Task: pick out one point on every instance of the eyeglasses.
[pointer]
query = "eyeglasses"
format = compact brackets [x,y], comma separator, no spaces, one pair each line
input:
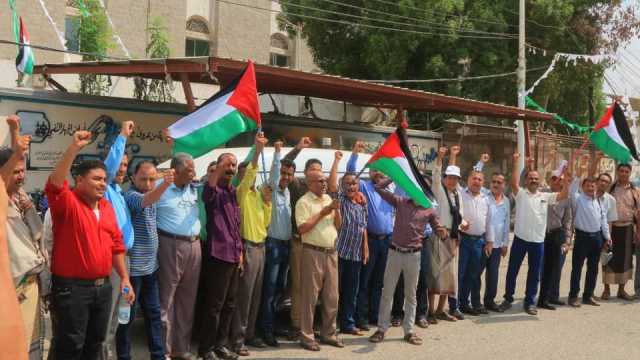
[322,181]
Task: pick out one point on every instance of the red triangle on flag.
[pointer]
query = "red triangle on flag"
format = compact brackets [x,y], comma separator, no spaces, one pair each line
[245,95]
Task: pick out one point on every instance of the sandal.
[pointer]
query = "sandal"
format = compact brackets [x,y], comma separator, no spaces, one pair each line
[312,346]
[377,337]
[605,295]
[423,323]
[445,316]
[413,339]
[395,322]
[354,332]
[625,296]
[335,342]
[432,319]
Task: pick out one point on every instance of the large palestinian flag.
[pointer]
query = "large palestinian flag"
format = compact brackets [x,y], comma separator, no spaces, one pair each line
[232,111]
[25,59]
[612,136]
[394,159]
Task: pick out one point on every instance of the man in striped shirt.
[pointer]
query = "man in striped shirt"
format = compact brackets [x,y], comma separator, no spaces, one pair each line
[143,258]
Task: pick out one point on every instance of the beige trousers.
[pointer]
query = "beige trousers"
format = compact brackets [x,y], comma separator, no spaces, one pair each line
[294,262]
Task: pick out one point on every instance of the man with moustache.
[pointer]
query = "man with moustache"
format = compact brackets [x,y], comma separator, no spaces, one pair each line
[530,229]
[222,261]
[27,255]
[179,256]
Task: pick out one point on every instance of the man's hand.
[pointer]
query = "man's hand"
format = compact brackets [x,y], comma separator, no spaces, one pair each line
[241,264]
[515,157]
[530,162]
[277,146]
[335,204]
[455,150]
[338,155]
[127,128]
[169,176]
[599,155]
[81,139]
[442,232]
[21,146]
[488,248]
[266,192]
[564,248]
[130,297]
[167,137]
[358,147]
[442,152]
[304,143]
[365,256]
[464,226]
[260,142]
[25,203]
[14,123]
[608,243]
[504,251]
[485,158]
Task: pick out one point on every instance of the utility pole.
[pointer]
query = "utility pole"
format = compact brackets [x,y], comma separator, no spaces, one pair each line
[522,77]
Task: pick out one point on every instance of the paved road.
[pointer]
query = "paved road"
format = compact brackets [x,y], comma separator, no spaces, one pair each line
[609,332]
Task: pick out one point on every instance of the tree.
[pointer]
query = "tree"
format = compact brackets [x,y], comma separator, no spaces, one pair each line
[94,35]
[158,48]
[452,38]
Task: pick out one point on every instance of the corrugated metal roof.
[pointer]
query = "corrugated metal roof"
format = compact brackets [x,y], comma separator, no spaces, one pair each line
[277,80]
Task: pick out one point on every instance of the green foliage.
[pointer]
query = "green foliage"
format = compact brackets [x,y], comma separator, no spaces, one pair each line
[158,48]
[94,34]
[573,26]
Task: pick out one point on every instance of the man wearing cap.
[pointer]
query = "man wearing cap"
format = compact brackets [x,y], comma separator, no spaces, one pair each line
[530,229]
[444,253]
[556,244]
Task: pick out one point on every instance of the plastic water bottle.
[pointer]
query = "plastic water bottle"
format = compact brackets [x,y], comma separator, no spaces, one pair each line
[124,309]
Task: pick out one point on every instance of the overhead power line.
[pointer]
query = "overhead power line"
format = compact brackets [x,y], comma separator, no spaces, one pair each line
[422,81]
[433,24]
[366,25]
[47,48]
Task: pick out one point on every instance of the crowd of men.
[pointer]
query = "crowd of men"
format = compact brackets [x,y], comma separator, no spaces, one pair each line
[211,261]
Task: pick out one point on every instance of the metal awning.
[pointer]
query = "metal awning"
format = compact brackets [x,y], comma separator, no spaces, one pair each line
[277,80]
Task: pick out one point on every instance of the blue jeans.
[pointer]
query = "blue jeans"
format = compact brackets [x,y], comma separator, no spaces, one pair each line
[276,267]
[372,279]
[423,287]
[587,247]
[491,266]
[469,269]
[535,252]
[348,280]
[147,293]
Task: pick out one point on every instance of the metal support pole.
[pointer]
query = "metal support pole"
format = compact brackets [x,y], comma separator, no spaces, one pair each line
[522,68]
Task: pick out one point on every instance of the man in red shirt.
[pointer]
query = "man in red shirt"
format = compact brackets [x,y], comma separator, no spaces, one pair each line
[87,243]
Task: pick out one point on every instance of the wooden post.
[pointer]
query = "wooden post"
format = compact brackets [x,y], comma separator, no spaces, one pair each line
[527,140]
[188,94]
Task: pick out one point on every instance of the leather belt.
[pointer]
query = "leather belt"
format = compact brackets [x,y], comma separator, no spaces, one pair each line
[319,248]
[253,244]
[376,236]
[587,233]
[178,237]
[471,236]
[404,250]
[81,282]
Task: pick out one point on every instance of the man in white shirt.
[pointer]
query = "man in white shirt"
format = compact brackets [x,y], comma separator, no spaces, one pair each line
[530,229]
[473,244]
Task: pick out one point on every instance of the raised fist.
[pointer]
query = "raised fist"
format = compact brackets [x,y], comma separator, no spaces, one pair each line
[305,142]
[14,122]
[81,138]
[169,176]
[442,151]
[127,128]
[358,147]
[167,137]
[455,150]
[485,158]
[261,141]
[338,155]
[278,146]
[516,156]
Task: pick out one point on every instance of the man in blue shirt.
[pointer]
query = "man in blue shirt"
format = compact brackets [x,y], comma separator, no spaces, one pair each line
[143,259]
[277,244]
[117,163]
[179,256]
[379,230]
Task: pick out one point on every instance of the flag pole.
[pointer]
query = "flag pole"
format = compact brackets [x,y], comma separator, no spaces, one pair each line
[264,166]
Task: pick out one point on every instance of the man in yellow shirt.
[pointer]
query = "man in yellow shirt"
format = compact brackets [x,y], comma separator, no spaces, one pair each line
[318,219]
[255,216]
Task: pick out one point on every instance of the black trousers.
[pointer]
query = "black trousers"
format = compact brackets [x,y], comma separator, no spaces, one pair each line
[220,286]
[552,262]
[82,313]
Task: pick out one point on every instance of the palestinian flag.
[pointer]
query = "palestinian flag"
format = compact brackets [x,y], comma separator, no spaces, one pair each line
[394,159]
[232,111]
[612,136]
[25,59]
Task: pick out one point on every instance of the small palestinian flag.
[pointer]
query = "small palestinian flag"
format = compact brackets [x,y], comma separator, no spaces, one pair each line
[612,136]
[230,112]
[25,59]
[394,159]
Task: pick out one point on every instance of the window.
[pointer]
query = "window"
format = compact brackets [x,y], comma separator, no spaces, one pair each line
[279,41]
[197,48]
[197,25]
[279,60]
[71,35]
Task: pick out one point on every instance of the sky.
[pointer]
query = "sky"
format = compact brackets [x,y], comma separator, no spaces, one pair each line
[624,77]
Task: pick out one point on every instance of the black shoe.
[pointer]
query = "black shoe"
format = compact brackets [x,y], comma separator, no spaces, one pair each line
[531,310]
[573,302]
[270,340]
[363,326]
[469,311]
[256,342]
[225,354]
[481,310]
[457,314]
[506,305]
[546,305]
[557,302]
[493,307]
[590,301]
